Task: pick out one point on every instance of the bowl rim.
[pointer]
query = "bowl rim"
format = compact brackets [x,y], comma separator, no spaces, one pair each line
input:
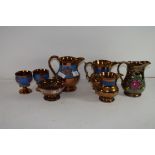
[57,84]
[40,71]
[23,73]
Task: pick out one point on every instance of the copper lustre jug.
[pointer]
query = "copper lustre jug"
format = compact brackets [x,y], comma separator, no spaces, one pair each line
[68,70]
[134,81]
[105,84]
[99,66]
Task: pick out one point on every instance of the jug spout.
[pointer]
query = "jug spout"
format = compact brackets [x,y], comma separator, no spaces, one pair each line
[79,59]
[146,63]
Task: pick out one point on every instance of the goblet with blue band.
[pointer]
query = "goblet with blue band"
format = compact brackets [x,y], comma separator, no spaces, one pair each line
[24,78]
[40,75]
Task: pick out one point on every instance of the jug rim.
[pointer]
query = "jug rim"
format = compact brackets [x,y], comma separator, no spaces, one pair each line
[100,61]
[70,59]
[23,73]
[138,63]
[40,71]
[108,75]
[49,84]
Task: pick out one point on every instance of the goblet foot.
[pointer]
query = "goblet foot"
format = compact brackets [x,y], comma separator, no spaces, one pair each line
[105,99]
[25,90]
[37,89]
[51,97]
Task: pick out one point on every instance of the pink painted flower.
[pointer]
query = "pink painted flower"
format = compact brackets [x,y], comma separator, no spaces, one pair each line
[135,84]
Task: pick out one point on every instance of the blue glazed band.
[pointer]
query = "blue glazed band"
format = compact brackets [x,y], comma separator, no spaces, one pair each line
[108,84]
[72,67]
[67,71]
[24,81]
[99,70]
[39,77]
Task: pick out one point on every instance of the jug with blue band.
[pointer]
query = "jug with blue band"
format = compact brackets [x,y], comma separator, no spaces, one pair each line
[99,66]
[68,70]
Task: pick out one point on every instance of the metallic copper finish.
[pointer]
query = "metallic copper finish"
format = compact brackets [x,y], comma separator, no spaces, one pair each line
[25,90]
[40,71]
[51,88]
[52,98]
[107,94]
[70,84]
[132,94]
[68,70]
[99,66]
[101,83]
[134,81]
[23,78]
[95,79]
[37,89]
[103,99]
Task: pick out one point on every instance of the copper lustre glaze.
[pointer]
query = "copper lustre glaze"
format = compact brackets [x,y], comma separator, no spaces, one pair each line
[134,81]
[24,78]
[99,66]
[39,75]
[51,88]
[105,85]
[68,70]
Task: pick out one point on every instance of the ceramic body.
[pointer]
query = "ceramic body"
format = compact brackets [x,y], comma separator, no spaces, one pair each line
[99,66]
[95,80]
[24,78]
[107,94]
[39,75]
[51,88]
[68,70]
[134,81]
[105,85]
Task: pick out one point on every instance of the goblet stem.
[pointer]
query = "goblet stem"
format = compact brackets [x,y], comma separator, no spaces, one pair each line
[25,90]
[37,89]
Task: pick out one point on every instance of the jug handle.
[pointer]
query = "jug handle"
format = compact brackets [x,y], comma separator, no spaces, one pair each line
[118,69]
[80,59]
[85,69]
[49,63]
[114,63]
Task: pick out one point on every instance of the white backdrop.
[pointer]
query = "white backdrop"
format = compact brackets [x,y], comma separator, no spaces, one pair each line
[30,47]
